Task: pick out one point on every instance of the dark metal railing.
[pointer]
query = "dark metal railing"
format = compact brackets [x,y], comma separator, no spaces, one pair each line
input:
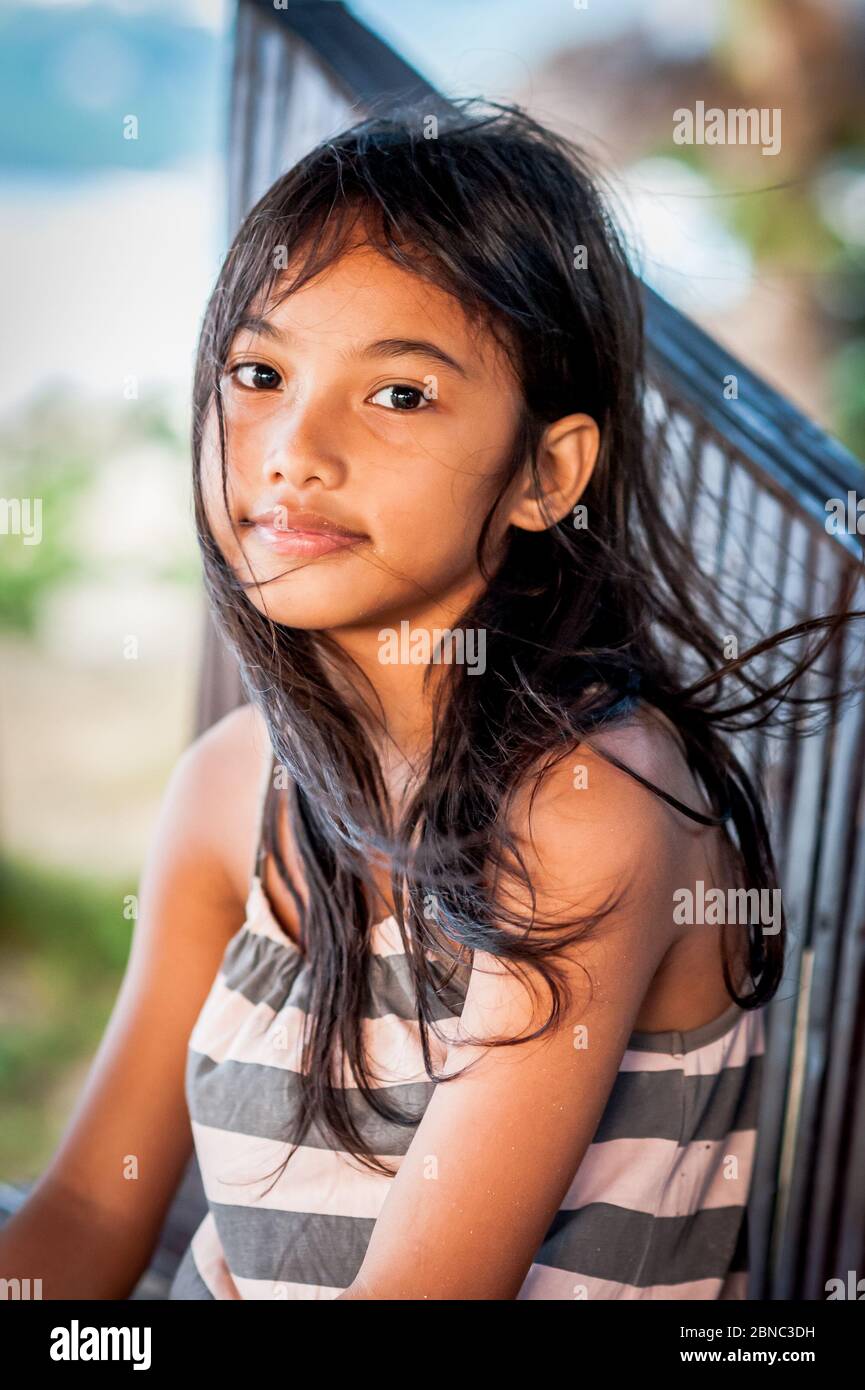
[754,476]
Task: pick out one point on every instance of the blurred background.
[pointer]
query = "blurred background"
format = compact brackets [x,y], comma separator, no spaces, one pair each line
[108,249]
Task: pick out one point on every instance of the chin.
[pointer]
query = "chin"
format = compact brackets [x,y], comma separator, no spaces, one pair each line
[313,607]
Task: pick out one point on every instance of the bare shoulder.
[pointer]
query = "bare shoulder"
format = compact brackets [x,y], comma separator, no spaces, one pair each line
[649,745]
[580,785]
[225,766]
[589,830]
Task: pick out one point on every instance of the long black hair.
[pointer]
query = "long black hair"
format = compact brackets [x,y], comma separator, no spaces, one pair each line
[511,219]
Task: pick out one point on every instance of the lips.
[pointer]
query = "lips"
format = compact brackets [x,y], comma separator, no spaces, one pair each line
[285,519]
[303,534]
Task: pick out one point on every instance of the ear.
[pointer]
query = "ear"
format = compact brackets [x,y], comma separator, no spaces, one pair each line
[567,454]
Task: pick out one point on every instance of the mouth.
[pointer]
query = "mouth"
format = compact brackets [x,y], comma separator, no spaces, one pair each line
[305,535]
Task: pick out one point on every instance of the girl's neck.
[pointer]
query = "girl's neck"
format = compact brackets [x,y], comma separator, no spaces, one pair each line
[394,690]
[396,699]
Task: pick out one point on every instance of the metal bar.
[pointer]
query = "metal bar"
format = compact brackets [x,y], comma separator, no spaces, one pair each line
[768,430]
[358,58]
[843,997]
[804,1109]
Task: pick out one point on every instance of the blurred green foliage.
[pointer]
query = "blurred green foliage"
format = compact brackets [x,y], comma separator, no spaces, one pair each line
[54,451]
[63,947]
[782,226]
[29,572]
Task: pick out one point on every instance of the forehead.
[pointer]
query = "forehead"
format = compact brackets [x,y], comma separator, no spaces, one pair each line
[363,295]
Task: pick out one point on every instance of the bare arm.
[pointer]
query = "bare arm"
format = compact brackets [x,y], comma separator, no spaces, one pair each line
[89,1227]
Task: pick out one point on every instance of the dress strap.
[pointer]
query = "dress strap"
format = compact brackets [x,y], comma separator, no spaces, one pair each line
[725,815]
[628,701]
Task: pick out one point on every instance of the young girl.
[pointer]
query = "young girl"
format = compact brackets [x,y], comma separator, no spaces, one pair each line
[408,946]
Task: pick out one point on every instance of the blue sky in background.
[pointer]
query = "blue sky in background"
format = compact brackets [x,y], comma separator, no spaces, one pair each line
[65,69]
[108,246]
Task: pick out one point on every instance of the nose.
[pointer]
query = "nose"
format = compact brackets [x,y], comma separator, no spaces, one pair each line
[303,444]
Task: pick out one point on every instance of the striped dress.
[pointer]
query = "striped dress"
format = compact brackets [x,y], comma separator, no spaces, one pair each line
[655,1210]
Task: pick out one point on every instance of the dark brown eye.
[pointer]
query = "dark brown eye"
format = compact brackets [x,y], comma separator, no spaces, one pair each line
[256,376]
[401,397]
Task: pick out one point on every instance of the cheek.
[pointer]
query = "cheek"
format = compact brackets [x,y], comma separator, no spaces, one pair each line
[431,537]
[437,507]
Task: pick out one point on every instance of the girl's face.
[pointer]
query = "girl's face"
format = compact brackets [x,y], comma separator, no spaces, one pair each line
[365,401]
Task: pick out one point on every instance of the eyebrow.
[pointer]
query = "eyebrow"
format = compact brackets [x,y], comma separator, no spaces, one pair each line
[380,347]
